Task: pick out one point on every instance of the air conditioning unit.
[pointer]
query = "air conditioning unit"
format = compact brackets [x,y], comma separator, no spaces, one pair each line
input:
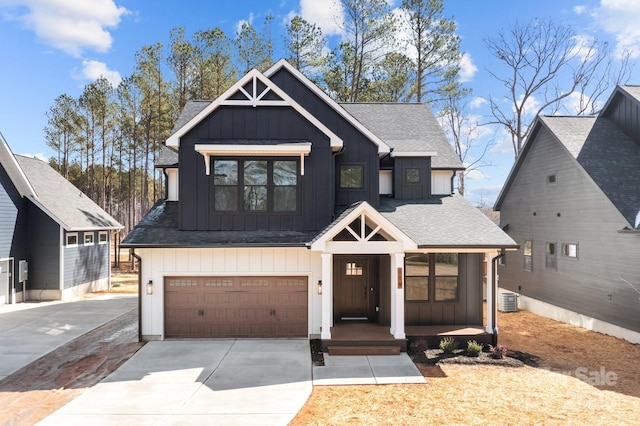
[508,302]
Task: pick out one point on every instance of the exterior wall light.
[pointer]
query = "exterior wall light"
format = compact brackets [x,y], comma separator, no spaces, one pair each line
[319,286]
[150,287]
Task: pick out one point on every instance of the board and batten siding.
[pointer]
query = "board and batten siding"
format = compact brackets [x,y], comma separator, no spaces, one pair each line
[572,210]
[44,255]
[159,263]
[13,223]
[248,125]
[625,113]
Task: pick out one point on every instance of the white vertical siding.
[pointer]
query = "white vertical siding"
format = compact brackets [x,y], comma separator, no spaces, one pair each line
[441,182]
[172,184]
[386,182]
[159,263]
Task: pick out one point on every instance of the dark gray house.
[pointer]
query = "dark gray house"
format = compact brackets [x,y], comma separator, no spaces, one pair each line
[572,202]
[54,241]
[290,215]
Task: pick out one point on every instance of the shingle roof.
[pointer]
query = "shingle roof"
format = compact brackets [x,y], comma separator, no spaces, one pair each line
[159,228]
[407,127]
[190,110]
[167,158]
[445,221]
[61,200]
[608,156]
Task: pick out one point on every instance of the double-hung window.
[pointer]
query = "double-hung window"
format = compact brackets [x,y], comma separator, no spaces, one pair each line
[255,185]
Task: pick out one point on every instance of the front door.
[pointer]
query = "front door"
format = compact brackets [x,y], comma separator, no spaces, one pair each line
[355,292]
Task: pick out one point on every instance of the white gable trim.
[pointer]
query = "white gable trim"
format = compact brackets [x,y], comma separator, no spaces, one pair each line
[254,99]
[15,172]
[383,148]
[401,242]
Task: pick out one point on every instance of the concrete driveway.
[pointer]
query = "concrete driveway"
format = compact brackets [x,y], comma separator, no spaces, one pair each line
[234,382]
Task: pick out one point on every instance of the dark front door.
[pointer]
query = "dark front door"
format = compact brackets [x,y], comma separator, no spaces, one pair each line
[355,293]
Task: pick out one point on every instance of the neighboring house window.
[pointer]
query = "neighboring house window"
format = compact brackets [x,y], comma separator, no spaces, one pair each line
[72,239]
[353,269]
[527,250]
[103,237]
[552,179]
[351,176]
[412,175]
[416,267]
[446,281]
[431,275]
[551,256]
[570,250]
[262,185]
[88,238]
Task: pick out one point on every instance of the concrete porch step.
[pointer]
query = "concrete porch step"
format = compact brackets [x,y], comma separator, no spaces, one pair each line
[363,350]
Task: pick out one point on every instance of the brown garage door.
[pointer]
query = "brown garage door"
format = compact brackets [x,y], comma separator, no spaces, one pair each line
[235,307]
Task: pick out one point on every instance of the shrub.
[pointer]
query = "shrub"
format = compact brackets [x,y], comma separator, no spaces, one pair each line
[419,345]
[473,348]
[448,345]
[498,351]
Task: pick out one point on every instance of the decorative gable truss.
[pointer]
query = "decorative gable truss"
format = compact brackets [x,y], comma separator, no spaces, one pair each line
[254,90]
[362,229]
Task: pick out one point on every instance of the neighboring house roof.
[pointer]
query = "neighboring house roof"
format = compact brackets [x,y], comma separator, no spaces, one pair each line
[11,166]
[61,200]
[440,222]
[407,128]
[159,228]
[445,221]
[602,150]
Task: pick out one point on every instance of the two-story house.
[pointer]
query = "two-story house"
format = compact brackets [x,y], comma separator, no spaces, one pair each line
[572,202]
[290,215]
[54,240]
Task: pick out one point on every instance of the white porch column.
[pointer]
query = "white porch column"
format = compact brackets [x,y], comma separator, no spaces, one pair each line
[327,291]
[397,295]
[491,294]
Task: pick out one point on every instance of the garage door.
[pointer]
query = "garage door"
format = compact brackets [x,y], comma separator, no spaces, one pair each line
[235,307]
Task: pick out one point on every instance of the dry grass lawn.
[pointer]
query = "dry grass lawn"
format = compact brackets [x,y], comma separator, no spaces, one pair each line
[488,395]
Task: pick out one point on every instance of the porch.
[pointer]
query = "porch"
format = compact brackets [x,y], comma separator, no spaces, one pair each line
[373,339]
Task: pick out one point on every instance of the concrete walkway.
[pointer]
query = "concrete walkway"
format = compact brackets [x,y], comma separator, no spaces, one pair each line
[221,382]
[31,330]
[367,370]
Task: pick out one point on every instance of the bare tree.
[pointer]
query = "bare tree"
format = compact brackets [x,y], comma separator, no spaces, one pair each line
[545,62]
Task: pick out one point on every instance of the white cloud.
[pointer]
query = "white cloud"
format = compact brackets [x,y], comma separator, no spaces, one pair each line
[241,22]
[92,70]
[579,10]
[467,68]
[325,14]
[477,102]
[620,19]
[531,106]
[69,25]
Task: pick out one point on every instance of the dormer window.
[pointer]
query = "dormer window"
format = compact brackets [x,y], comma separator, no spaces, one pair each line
[351,176]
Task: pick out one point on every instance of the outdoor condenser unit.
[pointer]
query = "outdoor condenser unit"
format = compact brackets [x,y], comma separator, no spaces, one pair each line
[508,302]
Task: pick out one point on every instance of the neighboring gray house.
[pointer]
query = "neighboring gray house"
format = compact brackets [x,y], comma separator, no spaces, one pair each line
[572,202]
[54,241]
[290,215]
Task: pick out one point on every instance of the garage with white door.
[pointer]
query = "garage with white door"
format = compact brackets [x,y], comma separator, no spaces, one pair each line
[235,306]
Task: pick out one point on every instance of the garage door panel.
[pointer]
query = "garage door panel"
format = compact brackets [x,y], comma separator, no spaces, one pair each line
[236,307]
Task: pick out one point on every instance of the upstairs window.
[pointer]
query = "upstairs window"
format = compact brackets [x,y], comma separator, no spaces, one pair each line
[570,250]
[255,185]
[551,256]
[412,175]
[351,176]
[72,239]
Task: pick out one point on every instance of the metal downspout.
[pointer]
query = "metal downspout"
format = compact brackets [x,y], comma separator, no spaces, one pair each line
[494,316]
[133,253]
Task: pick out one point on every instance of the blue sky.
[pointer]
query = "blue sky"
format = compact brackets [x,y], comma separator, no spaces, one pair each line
[51,47]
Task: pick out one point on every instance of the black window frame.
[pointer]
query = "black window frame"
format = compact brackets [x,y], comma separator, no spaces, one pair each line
[271,186]
[432,279]
[361,166]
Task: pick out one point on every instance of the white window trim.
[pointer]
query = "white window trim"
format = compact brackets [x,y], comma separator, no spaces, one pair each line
[100,234]
[71,234]
[84,239]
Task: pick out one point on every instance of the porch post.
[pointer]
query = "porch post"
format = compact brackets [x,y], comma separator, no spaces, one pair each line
[327,291]
[491,296]
[397,295]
